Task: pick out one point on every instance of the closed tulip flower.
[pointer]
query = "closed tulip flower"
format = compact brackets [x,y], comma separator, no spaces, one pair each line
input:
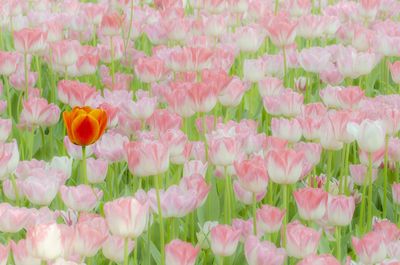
[263,252]
[252,174]
[285,166]
[371,248]
[180,253]
[85,125]
[80,198]
[311,203]
[44,241]
[126,217]
[224,240]
[301,240]
[370,135]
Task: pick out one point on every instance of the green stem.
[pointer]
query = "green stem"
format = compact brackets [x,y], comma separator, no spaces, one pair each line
[385,177]
[284,66]
[14,185]
[276,7]
[84,166]
[8,95]
[228,209]
[130,28]
[126,252]
[160,218]
[254,214]
[369,191]
[338,244]
[329,170]
[286,217]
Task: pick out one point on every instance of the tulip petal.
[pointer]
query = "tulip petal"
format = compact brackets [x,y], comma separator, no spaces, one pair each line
[85,130]
[101,116]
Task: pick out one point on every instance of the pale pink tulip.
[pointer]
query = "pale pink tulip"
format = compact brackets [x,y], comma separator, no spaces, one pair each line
[44,241]
[113,248]
[370,135]
[359,173]
[371,248]
[282,31]
[224,240]
[91,232]
[150,69]
[65,52]
[75,151]
[314,259]
[126,217]
[147,158]
[75,93]
[285,166]
[162,120]
[246,196]
[252,174]
[22,255]
[232,94]
[223,146]
[5,129]
[311,203]
[180,253]
[111,147]
[13,219]
[269,219]
[80,198]
[8,62]
[194,167]
[38,112]
[396,192]
[301,240]
[9,158]
[395,71]
[286,129]
[340,209]
[263,252]
[111,23]
[29,40]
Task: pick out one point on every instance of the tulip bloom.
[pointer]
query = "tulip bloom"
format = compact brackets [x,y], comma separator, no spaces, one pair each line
[85,125]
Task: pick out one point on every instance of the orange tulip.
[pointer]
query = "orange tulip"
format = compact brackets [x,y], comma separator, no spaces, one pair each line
[85,125]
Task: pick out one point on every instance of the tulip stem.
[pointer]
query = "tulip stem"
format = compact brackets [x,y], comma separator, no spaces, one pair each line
[338,244]
[84,169]
[254,214]
[228,214]
[286,217]
[370,191]
[329,170]
[276,7]
[7,91]
[126,252]
[43,262]
[385,176]
[129,28]
[160,218]
[14,185]
[112,62]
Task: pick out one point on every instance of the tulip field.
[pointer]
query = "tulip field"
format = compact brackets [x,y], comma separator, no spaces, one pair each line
[200,132]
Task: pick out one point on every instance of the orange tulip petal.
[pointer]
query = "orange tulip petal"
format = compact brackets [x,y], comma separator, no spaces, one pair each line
[85,130]
[101,116]
[67,116]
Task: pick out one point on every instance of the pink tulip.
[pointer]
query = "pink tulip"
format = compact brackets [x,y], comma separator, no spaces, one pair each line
[88,60]
[151,69]
[178,100]
[245,196]
[180,253]
[65,52]
[13,219]
[176,201]
[312,151]
[194,167]
[359,173]
[389,231]
[263,252]
[282,31]
[147,158]
[371,248]
[254,70]
[38,112]
[113,248]
[111,147]
[314,259]
[270,86]
[311,203]
[90,233]
[9,158]
[395,71]
[163,120]
[5,129]
[80,198]
[396,192]
[22,255]
[96,170]
[111,23]
[41,190]
[44,241]
[285,166]
[249,38]
[340,210]
[75,93]
[292,108]
[269,219]
[315,59]
[223,147]
[126,217]
[142,109]
[29,40]
[224,240]
[301,240]
[4,252]
[370,135]
[233,93]
[350,97]
[8,62]
[252,174]
[286,129]
[198,186]
[244,226]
